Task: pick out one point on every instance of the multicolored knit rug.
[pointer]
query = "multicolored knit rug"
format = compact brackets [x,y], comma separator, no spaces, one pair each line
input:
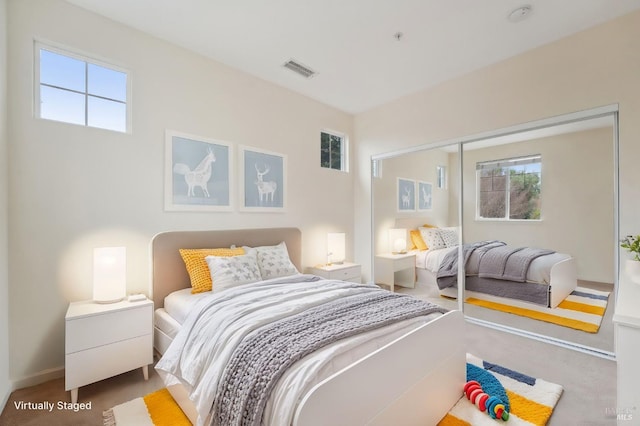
[529,401]
[156,409]
[582,310]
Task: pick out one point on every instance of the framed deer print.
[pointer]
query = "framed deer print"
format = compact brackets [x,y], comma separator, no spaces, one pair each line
[406,196]
[197,173]
[423,196]
[263,180]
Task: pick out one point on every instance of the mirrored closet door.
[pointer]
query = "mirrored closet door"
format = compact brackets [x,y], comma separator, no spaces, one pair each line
[413,194]
[549,191]
[539,199]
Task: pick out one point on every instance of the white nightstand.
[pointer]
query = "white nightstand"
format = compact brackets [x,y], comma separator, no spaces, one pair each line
[395,269]
[103,340]
[345,271]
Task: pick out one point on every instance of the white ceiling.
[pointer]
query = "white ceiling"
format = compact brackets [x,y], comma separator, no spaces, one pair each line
[351,44]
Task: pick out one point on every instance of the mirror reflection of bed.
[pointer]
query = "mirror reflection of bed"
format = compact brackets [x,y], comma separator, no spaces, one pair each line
[572,167]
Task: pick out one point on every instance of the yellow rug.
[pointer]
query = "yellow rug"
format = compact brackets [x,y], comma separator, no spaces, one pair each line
[529,401]
[156,409]
[582,310]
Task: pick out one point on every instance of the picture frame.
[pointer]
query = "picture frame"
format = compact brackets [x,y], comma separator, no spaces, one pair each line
[424,196]
[406,195]
[263,180]
[198,173]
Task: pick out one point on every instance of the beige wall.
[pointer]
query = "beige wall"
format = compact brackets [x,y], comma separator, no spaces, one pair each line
[599,66]
[5,386]
[74,188]
[576,194]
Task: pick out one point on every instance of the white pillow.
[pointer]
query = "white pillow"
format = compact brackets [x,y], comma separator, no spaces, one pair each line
[232,271]
[432,238]
[274,261]
[449,236]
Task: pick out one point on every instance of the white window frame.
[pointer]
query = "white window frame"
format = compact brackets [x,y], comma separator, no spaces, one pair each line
[344,150]
[84,57]
[507,162]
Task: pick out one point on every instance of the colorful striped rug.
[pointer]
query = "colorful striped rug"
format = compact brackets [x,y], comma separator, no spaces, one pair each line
[155,409]
[582,310]
[530,401]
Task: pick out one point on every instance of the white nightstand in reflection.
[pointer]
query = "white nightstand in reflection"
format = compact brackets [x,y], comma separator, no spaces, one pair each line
[395,269]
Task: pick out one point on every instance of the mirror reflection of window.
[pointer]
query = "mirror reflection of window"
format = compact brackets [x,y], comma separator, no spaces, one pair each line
[376,168]
[509,189]
[441,172]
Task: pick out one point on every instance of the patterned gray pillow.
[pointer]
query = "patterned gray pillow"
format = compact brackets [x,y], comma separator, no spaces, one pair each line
[449,236]
[432,238]
[232,271]
[274,261]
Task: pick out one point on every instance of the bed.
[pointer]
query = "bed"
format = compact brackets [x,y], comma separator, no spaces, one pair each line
[549,278]
[409,374]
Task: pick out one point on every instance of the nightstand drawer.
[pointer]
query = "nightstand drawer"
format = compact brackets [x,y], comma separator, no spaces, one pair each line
[345,274]
[107,327]
[92,365]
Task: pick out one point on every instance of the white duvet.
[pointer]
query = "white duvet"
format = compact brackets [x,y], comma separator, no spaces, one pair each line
[218,322]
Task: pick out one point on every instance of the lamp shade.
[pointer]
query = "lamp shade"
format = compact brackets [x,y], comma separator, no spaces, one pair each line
[398,240]
[336,247]
[109,274]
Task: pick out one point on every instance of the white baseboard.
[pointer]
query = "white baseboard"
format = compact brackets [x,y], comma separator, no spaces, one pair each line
[37,378]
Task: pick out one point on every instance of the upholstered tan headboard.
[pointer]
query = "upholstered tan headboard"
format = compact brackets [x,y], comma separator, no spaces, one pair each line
[168,272]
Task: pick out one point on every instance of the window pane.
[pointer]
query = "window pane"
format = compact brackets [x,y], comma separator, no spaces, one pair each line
[331,151]
[524,197]
[325,150]
[492,204]
[107,83]
[62,71]
[107,114]
[336,152]
[61,105]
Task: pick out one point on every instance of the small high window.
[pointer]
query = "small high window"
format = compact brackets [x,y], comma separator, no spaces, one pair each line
[509,189]
[78,90]
[333,149]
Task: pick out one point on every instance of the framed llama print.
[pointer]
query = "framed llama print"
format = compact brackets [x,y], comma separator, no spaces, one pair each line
[406,196]
[424,194]
[197,173]
[262,180]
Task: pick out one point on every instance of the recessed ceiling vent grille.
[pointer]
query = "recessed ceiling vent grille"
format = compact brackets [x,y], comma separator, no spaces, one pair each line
[300,69]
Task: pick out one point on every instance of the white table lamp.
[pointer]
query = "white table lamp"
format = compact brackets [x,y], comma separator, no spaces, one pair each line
[109,274]
[398,240]
[336,248]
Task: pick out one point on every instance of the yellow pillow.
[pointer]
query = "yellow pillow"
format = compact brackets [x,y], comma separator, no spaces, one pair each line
[197,266]
[426,225]
[416,239]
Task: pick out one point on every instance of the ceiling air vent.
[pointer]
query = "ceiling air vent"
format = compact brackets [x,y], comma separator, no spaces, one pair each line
[298,68]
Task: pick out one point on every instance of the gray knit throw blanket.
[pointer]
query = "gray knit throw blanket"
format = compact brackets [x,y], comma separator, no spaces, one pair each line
[264,355]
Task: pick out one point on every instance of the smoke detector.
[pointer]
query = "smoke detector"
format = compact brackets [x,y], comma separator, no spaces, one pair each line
[299,69]
[520,14]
